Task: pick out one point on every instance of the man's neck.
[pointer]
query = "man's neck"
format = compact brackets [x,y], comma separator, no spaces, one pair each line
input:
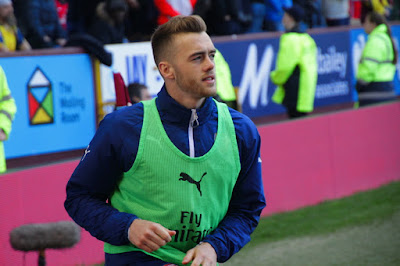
[185,100]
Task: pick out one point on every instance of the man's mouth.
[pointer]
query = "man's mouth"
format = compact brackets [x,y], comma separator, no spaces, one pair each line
[209,79]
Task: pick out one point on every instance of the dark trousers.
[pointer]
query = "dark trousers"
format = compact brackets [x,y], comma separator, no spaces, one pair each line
[293,113]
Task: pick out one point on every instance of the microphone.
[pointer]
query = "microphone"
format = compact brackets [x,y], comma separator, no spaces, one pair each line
[41,236]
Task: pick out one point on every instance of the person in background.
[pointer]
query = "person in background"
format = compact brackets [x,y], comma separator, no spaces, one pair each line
[258,11]
[313,17]
[138,92]
[225,90]
[7,113]
[108,26]
[168,9]
[381,7]
[176,179]
[227,17]
[81,15]
[274,14]
[140,20]
[336,13]
[377,66]
[11,38]
[45,30]
[62,11]
[296,67]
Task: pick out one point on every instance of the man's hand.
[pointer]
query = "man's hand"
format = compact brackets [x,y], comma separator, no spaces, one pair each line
[149,236]
[203,254]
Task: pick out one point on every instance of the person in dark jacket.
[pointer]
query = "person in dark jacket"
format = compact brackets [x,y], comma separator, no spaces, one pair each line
[176,179]
[140,20]
[81,15]
[227,17]
[108,26]
[45,30]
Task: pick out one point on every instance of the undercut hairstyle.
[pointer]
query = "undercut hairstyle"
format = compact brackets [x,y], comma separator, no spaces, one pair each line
[379,19]
[163,36]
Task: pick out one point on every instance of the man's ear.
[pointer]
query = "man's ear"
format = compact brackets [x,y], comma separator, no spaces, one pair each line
[166,70]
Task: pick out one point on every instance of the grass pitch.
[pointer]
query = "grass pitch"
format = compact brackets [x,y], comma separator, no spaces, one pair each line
[363,229]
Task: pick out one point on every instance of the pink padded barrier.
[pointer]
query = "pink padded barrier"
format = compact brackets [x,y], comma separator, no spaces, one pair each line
[325,157]
[37,196]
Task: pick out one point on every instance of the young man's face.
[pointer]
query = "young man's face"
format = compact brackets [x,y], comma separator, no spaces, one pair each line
[193,64]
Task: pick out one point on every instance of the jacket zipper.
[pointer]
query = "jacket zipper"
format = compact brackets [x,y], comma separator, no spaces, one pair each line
[194,122]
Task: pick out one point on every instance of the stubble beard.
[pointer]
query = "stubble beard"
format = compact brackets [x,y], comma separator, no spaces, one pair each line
[194,88]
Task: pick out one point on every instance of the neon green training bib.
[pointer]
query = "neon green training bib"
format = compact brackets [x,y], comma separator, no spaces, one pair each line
[188,195]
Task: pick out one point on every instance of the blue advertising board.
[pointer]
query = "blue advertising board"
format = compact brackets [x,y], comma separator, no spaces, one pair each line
[251,62]
[333,85]
[55,102]
[396,37]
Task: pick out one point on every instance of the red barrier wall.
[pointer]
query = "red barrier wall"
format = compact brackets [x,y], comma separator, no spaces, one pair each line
[304,162]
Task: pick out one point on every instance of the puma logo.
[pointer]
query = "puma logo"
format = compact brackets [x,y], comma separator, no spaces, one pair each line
[186,177]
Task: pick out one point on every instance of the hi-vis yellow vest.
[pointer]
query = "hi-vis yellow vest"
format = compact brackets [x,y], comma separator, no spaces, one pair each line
[7,112]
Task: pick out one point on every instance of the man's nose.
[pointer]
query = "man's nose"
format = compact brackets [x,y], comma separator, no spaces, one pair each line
[209,64]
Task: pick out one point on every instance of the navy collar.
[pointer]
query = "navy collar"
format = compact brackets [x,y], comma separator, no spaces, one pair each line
[171,111]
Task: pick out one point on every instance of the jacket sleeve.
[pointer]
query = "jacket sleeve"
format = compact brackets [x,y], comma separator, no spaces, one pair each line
[7,105]
[287,59]
[247,199]
[94,180]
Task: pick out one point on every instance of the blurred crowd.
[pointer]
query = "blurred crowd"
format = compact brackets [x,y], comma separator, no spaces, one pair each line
[35,24]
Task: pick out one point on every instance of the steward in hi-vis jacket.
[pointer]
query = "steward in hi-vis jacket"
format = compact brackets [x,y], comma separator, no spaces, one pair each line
[225,89]
[378,62]
[296,67]
[7,112]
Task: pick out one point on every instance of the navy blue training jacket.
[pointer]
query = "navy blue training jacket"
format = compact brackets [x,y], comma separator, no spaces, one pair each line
[113,150]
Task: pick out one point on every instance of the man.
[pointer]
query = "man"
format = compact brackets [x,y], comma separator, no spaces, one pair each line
[274,13]
[296,67]
[336,13]
[44,29]
[11,38]
[168,9]
[7,112]
[182,172]
[108,24]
